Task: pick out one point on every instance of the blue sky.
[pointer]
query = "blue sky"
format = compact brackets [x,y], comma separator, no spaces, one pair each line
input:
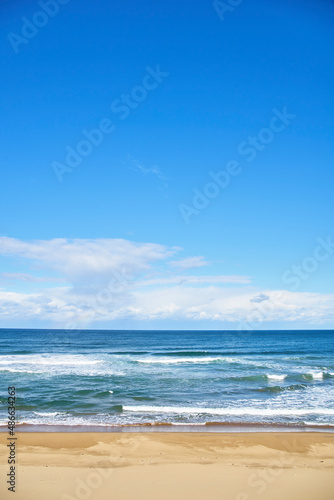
[198,91]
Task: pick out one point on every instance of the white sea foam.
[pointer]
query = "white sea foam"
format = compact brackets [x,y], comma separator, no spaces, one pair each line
[318,424]
[175,361]
[54,371]
[18,370]
[72,422]
[317,375]
[276,377]
[55,360]
[231,411]
[50,414]
[195,424]
[111,392]
[203,360]
[56,364]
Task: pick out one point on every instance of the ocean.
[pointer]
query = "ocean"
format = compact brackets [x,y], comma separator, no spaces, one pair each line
[108,379]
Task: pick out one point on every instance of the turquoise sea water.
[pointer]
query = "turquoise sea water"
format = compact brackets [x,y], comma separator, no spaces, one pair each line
[130,377]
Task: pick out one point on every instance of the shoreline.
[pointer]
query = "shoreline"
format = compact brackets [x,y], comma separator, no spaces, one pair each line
[182,465]
[208,427]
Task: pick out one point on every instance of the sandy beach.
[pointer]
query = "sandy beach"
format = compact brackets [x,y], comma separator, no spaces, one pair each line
[195,465]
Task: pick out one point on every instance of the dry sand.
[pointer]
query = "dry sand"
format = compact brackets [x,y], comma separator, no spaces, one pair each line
[173,466]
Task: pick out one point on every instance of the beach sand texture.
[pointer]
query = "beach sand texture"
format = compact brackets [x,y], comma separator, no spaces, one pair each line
[178,466]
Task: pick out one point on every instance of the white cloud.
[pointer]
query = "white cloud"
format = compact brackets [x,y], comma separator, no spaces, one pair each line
[232,305]
[189,262]
[88,261]
[27,278]
[184,279]
[111,279]
[211,303]
[155,170]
